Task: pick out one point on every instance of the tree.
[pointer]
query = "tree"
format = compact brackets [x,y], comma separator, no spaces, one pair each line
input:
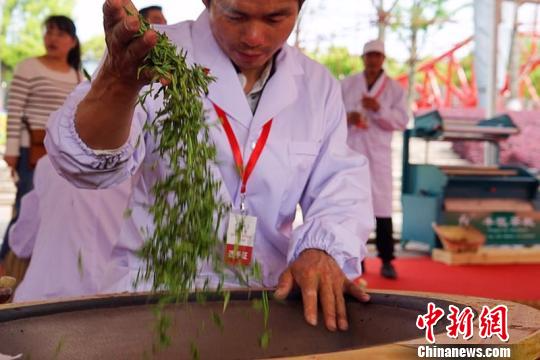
[339,61]
[383,16]
[309,10]
[535,79]
[21,29]
[513,61]
[414,21]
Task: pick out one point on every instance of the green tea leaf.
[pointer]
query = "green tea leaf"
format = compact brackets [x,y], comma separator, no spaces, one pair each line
[265,339]
[194,351]
[226,299]
[217,320]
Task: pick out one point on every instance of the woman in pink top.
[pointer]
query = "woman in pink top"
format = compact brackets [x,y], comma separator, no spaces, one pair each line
[39,87]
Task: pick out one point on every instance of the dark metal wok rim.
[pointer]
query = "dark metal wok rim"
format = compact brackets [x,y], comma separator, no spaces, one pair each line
[415,303]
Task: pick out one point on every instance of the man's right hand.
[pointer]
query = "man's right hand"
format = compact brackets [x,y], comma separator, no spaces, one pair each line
[125,53]
[103,117]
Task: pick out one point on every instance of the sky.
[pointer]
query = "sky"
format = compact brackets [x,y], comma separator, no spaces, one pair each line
[347,23]
[88,14]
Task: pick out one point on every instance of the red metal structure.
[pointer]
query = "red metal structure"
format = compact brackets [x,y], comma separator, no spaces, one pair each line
[532,62]
[442,82]
[436,89]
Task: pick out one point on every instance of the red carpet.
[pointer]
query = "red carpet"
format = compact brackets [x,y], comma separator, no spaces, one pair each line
[504,282]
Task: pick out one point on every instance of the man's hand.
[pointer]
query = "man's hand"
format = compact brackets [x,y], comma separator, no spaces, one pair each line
[320,279]
[125,53]
[354,118]
[103,117]
[370,103]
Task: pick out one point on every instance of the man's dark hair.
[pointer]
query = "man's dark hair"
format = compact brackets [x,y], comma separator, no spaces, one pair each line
[144,11]
[300,3]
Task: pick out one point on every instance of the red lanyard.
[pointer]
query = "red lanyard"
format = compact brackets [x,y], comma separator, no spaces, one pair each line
[381,89]
[245,172]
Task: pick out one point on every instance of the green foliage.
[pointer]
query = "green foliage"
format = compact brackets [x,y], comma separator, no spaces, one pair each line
[394,68]
[339,61]
[468,64]
[535,78]
[413,21]
[21,33]
[420,15]
[186,208]
[186,197]
[526,45]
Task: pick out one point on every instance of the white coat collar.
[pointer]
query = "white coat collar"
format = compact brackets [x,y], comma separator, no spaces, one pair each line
[381,81]
[227,92]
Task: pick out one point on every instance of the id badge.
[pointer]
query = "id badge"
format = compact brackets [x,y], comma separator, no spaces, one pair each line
[240,239]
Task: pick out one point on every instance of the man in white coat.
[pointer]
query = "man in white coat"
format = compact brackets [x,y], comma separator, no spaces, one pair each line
[93,141]
[68,233]
[376,107]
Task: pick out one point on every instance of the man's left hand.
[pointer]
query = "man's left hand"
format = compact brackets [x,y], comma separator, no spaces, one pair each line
[370,103]
[320,278]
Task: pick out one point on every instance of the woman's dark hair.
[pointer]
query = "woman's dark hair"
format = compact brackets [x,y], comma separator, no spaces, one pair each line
[63,23]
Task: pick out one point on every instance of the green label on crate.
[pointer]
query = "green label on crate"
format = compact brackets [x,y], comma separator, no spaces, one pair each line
[501,227]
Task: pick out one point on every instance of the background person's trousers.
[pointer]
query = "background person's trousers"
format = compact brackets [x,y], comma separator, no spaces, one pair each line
[24,186]
[385,239]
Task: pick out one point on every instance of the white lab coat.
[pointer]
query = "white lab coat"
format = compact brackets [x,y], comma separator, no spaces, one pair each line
[306,160]
[68,232]
[375,142]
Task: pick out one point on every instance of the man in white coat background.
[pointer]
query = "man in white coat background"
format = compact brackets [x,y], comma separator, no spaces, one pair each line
[376,107]
[93,141]
[69,234]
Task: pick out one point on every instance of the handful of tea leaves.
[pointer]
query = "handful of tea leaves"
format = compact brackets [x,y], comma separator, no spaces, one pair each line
[186,208]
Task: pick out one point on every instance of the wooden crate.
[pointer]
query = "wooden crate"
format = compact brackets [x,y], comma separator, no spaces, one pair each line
[489,256]
[487,205]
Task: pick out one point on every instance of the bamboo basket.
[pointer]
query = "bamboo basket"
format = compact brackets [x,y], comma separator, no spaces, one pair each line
[459,238]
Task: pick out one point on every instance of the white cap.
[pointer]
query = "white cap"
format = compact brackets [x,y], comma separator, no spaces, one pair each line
[374,46]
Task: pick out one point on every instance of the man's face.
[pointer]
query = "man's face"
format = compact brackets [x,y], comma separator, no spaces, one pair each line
[373,61]
[251,31]
[156,17]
